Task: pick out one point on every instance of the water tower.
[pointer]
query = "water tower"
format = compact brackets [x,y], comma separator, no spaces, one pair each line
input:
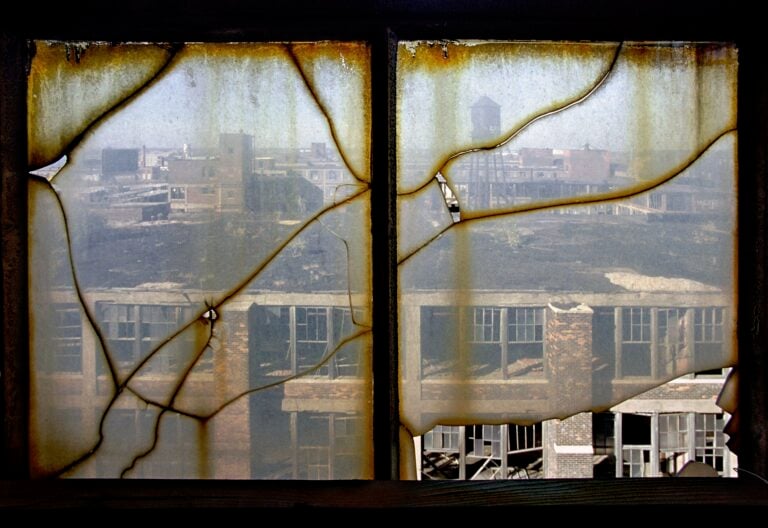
[486,178]
[486,119]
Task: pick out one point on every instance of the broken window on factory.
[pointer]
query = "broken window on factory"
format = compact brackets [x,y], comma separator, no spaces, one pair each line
[710,440]
[566,220]
[710,332]
[65,356]
[663,444]
[297,339]
[635,357]
[500,342]
[481,452]
[200,300]
[525,338]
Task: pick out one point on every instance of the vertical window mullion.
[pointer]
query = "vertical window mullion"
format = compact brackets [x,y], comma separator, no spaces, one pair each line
[386,416]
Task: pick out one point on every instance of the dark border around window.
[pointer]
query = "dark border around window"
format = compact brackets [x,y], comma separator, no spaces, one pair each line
[382,22]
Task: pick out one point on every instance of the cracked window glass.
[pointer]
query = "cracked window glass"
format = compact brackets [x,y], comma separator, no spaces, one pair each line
[200,260]
[566,243]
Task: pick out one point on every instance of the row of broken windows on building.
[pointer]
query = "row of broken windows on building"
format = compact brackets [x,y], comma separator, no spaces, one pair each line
[509,342]
[501,342]
[621,445]
[321,446]
[288,340]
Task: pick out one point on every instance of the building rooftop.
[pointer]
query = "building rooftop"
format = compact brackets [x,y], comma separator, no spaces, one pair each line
[486,101]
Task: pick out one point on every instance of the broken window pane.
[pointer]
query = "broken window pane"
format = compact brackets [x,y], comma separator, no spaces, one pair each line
[567,220]
[200,260]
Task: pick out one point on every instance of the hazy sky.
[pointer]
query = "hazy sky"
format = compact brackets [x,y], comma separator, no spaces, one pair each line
[664,103]
[203,96]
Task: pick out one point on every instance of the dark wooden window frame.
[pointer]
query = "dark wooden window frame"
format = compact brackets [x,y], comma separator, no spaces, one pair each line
[382,23]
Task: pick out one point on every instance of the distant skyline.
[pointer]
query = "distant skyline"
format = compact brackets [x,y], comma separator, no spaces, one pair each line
[670,107]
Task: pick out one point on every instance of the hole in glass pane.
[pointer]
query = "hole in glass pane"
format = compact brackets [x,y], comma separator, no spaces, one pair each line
[567,213]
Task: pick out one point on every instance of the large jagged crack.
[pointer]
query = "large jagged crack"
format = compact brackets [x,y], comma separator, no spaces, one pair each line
[121,383]
[289,48]
[172,51]
[330,355]
[119,386]
[349,272]
[306,372]
[576,100]
[271,257]
[75,279]
[365,329]
[597,198]
[169,406]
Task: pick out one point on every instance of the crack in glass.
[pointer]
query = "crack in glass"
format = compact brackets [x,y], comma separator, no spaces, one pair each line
[200,255]
[596,198]
[543,113]
[148,349]
[84,84]
[559,253]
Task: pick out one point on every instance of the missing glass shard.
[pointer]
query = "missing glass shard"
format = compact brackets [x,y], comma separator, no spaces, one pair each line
[521,308]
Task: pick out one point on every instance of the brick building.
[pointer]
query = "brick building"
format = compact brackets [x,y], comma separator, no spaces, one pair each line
[212,182]
[651,433]
[538,356]
[559,317]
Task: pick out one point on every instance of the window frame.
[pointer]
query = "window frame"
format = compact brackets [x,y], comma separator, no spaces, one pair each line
[382,23]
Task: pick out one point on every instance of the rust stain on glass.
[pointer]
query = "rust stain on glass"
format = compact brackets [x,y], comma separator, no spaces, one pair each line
[567,227]
[200,260]
[72,84]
